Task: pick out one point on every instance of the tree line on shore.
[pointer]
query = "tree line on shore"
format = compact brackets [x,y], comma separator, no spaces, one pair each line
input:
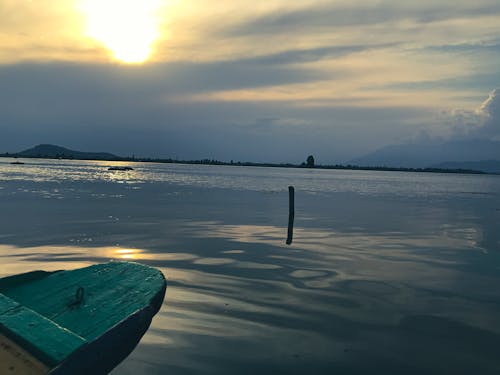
[309,163]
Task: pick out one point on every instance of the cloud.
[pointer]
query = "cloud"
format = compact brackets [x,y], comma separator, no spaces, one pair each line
[310,52]
[271,82]
[307,55]
[137,110]
[483,122]
[193,31]
[361,14]
[490,111]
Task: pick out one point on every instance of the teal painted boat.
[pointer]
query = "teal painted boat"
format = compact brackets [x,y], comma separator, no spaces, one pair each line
[76,322]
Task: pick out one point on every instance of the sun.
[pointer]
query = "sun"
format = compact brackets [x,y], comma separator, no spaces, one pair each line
[128,28]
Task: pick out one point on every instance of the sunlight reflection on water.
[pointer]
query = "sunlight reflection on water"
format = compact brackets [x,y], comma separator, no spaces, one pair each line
[252,178]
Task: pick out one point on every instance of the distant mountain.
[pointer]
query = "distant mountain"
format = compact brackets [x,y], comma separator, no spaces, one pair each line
[488,166]
[423,155]
[52,151]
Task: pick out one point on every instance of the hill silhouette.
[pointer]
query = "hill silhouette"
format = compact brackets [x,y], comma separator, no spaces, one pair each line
[428,154]
[53,151]
[488,166]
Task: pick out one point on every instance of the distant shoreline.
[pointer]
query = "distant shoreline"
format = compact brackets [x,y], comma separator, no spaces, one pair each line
[254,164]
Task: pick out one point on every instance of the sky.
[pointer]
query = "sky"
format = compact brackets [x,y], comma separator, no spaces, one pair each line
[250,81]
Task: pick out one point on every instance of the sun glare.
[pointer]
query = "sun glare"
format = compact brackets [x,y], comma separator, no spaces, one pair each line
[128,28]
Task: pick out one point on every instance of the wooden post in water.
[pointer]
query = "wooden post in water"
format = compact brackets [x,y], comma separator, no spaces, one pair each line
[291,214]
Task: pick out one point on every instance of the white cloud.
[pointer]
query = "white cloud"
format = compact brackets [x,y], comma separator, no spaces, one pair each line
[490,111]
[484,122]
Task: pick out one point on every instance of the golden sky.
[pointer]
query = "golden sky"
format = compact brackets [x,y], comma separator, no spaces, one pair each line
[379,43]
[434,57]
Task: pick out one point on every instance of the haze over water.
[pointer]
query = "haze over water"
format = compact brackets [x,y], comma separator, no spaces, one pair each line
[388,273]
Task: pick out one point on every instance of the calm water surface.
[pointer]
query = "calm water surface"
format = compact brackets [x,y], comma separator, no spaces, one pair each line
[389,273]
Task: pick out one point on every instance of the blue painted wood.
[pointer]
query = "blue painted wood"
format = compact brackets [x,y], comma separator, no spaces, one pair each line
[98,308]
[23,278]
[6,304]
[47,341]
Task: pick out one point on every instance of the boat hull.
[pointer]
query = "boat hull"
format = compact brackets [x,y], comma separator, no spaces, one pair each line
[80,321]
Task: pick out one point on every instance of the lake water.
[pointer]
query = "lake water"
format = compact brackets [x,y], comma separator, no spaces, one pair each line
[388,273]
